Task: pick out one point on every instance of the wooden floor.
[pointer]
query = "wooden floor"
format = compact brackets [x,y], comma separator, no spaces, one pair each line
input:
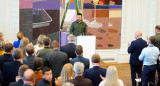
[123,71]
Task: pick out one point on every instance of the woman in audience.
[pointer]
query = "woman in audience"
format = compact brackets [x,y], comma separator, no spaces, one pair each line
[39,44]
[23,44]
[2,48]
[111,78]
[38,65]
[66,74]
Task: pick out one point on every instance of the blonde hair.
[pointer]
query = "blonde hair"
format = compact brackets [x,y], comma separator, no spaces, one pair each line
[40,40]
[23,44]
[20,35]
[1,36]
[67,72]
[111,77]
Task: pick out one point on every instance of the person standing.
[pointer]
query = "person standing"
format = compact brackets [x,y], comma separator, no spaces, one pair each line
[135,50]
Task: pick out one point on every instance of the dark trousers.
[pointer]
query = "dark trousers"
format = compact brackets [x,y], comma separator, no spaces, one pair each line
[148,75]
[135,69]
[158,71]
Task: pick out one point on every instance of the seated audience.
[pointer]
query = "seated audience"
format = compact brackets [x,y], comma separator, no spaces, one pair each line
[29,78]
[30,58]
[23,44]
[111,78]
[39,44]
[47,77]
[66,74]
[55,60]
[94,73]
[38,65]
[149,57]
[7,57]
[10,69]
[80,58]
[19,36]
[46,49]
[19,78]
[79,80]
[2,48]
[70,47]
[68,84]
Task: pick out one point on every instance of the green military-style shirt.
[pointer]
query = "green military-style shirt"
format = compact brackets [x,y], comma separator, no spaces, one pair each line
[157,40]
[78,28]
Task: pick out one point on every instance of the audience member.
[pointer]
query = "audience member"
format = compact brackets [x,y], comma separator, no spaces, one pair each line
[80,58]
[21,71]
[29,78]
[149,57]
[70,47]
[39,44]
[79,80]
[55,60]
[111,78]
[94,73]
[23,44]
[46,49]
[2,48]
[10,69]
[47,77]
[7,57]
[135,50]
[19,37]
[2,38]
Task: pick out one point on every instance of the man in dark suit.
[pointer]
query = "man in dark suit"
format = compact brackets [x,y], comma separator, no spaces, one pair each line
[10,69]
[55,60]
[7,57]
[135,50]
[21,71]
[70,47]
[79,58]
[79,80]
[94,73]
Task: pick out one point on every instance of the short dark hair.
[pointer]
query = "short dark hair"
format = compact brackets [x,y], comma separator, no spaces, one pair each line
[157,27]
[46,41]
[22,69]
[79,49]
[17,53]
[38,64]
[30,48]
[95,58]
[45,69]
[79,14]
[152,40]
[8,47]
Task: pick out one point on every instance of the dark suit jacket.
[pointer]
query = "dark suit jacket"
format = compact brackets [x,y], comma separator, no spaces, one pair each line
[56,60]
[94,74]
[43,82]
[29,60]
[10,71]
[69,49]
[18,83]
[85,61]
[5,58]
[135,50]
[81,81]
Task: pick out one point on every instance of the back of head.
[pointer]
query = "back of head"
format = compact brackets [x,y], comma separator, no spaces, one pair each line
[2,44]
[45,69]
[55,44]
[17,53]
[8,47]
[68,84]
[78,68]
[1,36]
[46,41]
[40,40]
[152,40]
[111,77]
[96,58]
[23,44]
[71,38]
[67,72]
[22,69]
[138,34]
[79,49]
[29,75]
[30,49]
[38,64]
[157,27]
[20,35]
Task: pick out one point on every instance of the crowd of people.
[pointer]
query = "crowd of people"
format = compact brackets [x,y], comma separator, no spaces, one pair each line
[48,64]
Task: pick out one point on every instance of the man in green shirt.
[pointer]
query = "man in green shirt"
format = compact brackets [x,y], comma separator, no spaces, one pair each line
[78,27]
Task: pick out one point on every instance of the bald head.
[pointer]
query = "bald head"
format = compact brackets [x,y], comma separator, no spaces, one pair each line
[138,34]
[71,38]
[55,44]
[29,75]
